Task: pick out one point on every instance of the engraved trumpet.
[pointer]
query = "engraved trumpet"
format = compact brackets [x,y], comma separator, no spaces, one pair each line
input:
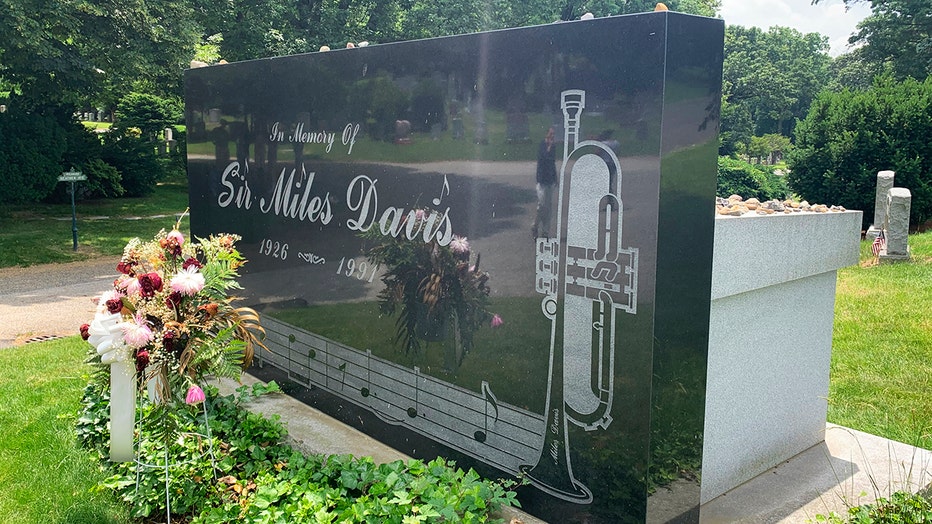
[592,277]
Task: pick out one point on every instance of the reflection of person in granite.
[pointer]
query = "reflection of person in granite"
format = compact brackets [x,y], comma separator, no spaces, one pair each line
[221,139]
[546,185]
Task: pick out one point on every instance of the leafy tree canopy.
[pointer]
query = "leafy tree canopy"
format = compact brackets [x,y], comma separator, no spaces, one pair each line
[898,35]
[770,79]
[69,51]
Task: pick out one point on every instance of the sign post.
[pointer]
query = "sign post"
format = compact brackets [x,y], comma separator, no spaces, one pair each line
[73,176]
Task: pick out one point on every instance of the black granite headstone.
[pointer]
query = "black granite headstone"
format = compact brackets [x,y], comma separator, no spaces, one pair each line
[493,247]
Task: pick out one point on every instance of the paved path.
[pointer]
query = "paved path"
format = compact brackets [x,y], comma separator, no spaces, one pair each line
[51,299]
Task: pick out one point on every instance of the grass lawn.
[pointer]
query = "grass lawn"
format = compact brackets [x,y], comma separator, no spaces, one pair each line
[46,477]
[41,233]
[881,379]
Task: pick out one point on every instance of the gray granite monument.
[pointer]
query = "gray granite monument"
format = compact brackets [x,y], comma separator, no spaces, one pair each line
[896,227]
[884,184]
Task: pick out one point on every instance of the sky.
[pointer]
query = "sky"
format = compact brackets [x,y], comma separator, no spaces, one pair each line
[828,17]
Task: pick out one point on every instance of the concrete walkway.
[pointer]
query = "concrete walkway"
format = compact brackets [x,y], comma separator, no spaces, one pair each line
[849,468]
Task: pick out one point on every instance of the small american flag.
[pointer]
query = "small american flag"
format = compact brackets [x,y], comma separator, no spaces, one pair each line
[879,244]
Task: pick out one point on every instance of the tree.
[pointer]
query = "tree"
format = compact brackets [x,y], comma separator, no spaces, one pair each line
[898,34]
[772,77]
[770,148]
[57,52]
[150,113]
[853,71]
[849,136]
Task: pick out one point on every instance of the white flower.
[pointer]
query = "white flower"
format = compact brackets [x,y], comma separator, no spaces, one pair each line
[188,281]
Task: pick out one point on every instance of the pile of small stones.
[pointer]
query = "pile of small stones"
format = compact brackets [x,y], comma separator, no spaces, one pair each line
[737,206]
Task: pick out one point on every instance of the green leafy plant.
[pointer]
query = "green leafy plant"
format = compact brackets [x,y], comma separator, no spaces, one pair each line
[736,177]
[901,508]
[254,477]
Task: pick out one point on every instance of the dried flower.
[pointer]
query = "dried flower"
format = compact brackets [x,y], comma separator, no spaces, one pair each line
[149,284]
[497,320]
[114,305]
[189,281]
[195,395]
[211,309]
[85,334]
[126,267]
[175,237]
[173,300]
[142,360]
[191,261]
[173,242]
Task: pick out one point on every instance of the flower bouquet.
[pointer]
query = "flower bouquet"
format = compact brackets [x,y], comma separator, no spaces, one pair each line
[434,289]
[169,321]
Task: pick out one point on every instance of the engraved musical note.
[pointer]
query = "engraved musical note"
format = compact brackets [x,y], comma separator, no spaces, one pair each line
[365,391]
[445,188]
[413,411]
[342,369]
[490,400]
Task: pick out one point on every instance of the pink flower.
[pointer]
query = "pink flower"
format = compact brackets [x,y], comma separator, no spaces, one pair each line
[497,320]
[176,237]
[460,246]
[172,243]
[128,285]
[195,395]
[137,334]
[189,281]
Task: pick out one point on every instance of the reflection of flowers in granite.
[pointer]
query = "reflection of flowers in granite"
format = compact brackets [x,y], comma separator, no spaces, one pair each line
[433,288]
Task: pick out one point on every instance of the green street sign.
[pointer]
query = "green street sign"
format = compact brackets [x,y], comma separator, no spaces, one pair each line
[72,176]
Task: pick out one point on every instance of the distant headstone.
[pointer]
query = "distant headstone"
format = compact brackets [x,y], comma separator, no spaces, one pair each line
[897,226]
[884,184]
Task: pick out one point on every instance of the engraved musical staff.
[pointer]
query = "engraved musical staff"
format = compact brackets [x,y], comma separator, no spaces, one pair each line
[449,414]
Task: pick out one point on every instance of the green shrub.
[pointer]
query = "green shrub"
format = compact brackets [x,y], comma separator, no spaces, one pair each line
[848,137]
[150,113]
[135,159]
[736,177]
[32,147]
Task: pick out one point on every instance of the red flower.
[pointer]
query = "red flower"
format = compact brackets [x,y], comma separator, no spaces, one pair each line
[168,340]
[191,261]
[173,300]
[114,305]
[126,267]
[142,360]
[85,333]
[149,284]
